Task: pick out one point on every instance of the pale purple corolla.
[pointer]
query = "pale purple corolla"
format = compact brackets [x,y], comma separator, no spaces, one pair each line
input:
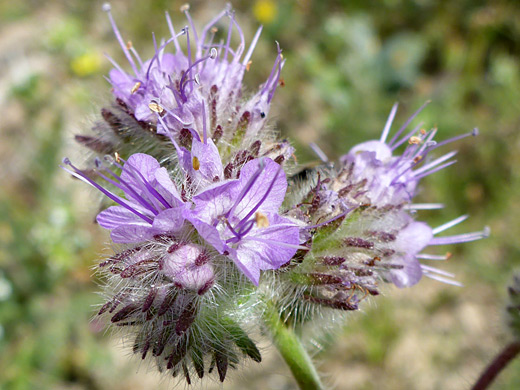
[151,204]
[240,218]
[393,178]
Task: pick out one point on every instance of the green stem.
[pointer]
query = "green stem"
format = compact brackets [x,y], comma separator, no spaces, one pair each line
[292,351]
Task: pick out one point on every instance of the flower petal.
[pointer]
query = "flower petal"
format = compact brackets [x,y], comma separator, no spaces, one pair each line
[271,175]
[169,220]
[409,275]
[139,163]
[126,234]
[116,216]
[267,248]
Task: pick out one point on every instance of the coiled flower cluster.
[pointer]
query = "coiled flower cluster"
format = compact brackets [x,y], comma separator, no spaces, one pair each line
[214,225]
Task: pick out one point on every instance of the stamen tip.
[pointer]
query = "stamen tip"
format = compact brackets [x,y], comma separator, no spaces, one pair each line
[213,53]
[66,161]
[475,132]
[106,7]
[185,7]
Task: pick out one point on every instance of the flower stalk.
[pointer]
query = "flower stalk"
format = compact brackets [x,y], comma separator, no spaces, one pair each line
[501,361]
[290,347]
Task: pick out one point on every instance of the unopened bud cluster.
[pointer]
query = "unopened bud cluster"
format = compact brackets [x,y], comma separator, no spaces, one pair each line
[212,222]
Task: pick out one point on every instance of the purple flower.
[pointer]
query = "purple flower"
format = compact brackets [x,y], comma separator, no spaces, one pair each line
[240,218]
[151,203]
[199,88]
[392,179]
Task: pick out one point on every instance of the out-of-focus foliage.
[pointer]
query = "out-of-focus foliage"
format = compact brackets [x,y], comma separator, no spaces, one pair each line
[347,63]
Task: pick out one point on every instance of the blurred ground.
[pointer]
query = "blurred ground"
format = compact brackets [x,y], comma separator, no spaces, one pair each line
[347,63]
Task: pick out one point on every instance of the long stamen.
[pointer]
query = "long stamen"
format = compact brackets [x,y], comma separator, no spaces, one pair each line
[473,133]
[450,224]
[406,137]
[235,233]
[442,279]
[136,55]
[425,256]
[124,186]
[242,44]
[437,271]
[273,70]
[107,8]
[317,150]
[185,9]
[172,139]
[83,177]
[184,81]
[208,26]
[156,56]
[230,31]
[439,278]
[424,206]
[249,53]
[435,163]
[117,66]
[134,171]
[405,125]
[169,112]
[438,168]
[388,123]
[460,238]
[172,32]
[281,62]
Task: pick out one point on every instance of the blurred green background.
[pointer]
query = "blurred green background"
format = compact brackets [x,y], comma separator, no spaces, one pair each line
[347,63]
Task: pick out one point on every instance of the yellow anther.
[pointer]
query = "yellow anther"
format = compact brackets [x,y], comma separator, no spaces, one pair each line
[118,158]
[414,140]
[448,255]
[213,30]
[417,159]
[261,220]
[129,45]
[196,163]
[248,65]
[423,131]
[136,87]
[281,82]
[155,107]
[185,7]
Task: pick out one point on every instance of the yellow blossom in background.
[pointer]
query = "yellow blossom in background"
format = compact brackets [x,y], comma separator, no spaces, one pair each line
[265,11]
[86,64]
